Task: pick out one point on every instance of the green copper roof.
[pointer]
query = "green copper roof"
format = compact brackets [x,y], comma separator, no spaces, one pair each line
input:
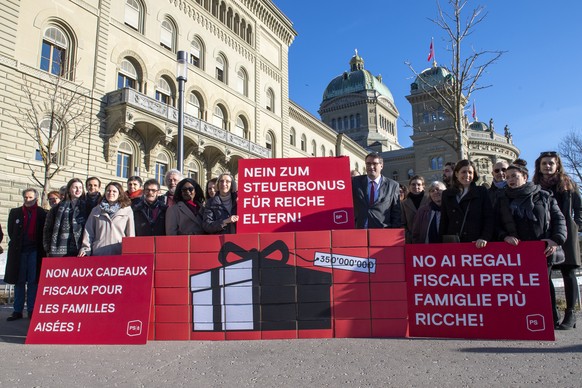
[430,77]
[356,80]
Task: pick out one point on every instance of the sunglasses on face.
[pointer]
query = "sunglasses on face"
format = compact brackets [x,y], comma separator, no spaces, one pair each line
[498,170]
[189,189]
[549,153]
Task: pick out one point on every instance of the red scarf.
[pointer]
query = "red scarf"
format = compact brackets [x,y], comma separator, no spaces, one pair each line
[135,194]
[30,223]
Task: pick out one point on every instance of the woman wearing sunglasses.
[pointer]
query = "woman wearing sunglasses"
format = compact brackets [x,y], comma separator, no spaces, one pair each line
[185,217]
[550,175]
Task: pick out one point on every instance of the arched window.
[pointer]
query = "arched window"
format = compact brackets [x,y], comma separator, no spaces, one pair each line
[221,68]
[436,163]
[219,118]
[51,139]
[124,160]
[229,18]
[193,172]
[352,121]
[303,143]
[215,8]
[168,34]
[358,120]
[241,127]
[322,150]
[55,55]
[330,152]
[313,148]
[333,123]
[236,23]
[164,91]
[249,37]
[242,85]
[194,106]
[292,137]
[161,167]
[270,100]
[243,29]
[128,76]
[222,12]
[197,53]
[270,143]
[134,13]
[339,124]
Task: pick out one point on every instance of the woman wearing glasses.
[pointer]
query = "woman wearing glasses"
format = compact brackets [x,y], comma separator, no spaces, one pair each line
[220,212]
[185,217]
[550,175]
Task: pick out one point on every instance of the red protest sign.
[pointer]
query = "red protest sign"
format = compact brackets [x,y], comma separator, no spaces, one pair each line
[498,292]
[93,300]
[294,194]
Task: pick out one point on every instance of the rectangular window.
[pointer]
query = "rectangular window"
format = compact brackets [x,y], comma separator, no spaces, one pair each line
[125,82]
[52,58]
[132,16]
[163,98]
[160,173]
[123,165]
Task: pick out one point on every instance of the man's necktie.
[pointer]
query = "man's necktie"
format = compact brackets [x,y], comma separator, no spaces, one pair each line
[372,192]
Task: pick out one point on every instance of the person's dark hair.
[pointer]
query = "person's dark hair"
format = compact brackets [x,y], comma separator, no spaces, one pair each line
[135,178]
[123,199]
[458,166]
[198,193]
[151,182]
[374,155]
[450,164]
[70,184]
[565,183]
[213,180]
[519,165]
[92,178]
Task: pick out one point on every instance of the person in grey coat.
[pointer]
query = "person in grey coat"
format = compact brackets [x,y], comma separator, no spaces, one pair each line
[376,197]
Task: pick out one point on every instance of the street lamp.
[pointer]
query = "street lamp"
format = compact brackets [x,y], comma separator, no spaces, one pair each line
[181,77]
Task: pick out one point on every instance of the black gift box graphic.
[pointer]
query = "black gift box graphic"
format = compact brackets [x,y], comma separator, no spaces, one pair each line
[260,292]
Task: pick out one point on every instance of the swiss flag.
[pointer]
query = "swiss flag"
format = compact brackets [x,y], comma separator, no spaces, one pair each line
[431,52]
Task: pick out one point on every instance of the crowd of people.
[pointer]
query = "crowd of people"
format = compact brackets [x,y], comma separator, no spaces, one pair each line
[82,221]
[458,209]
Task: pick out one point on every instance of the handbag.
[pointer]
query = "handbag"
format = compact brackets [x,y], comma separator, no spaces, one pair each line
[455,238]
[558,257]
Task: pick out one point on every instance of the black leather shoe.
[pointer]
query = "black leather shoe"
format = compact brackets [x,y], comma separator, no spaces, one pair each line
[15,316]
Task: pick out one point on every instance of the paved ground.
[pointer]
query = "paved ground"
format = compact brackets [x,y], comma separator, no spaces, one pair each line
[337,362]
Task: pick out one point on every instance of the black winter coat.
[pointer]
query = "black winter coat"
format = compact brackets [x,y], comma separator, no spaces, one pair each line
[215,213]
[546,219]
[143,227]
[15,232]
[570,204]
[480,218]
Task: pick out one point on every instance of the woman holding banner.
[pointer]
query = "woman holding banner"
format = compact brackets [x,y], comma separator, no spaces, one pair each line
[220,212]
[528,213]
[466,211]
[551,176]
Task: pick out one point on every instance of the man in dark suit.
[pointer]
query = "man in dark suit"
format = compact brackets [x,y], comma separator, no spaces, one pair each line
[25,252]
[376,197]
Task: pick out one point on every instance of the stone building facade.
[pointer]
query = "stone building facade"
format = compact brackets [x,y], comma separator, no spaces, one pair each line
[119,58]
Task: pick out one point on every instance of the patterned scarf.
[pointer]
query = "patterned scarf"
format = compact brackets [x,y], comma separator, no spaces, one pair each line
[68,228]
[109,209]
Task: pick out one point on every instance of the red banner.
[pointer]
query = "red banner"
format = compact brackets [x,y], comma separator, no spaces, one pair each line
[498,292]
[294,194]
[93,300]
